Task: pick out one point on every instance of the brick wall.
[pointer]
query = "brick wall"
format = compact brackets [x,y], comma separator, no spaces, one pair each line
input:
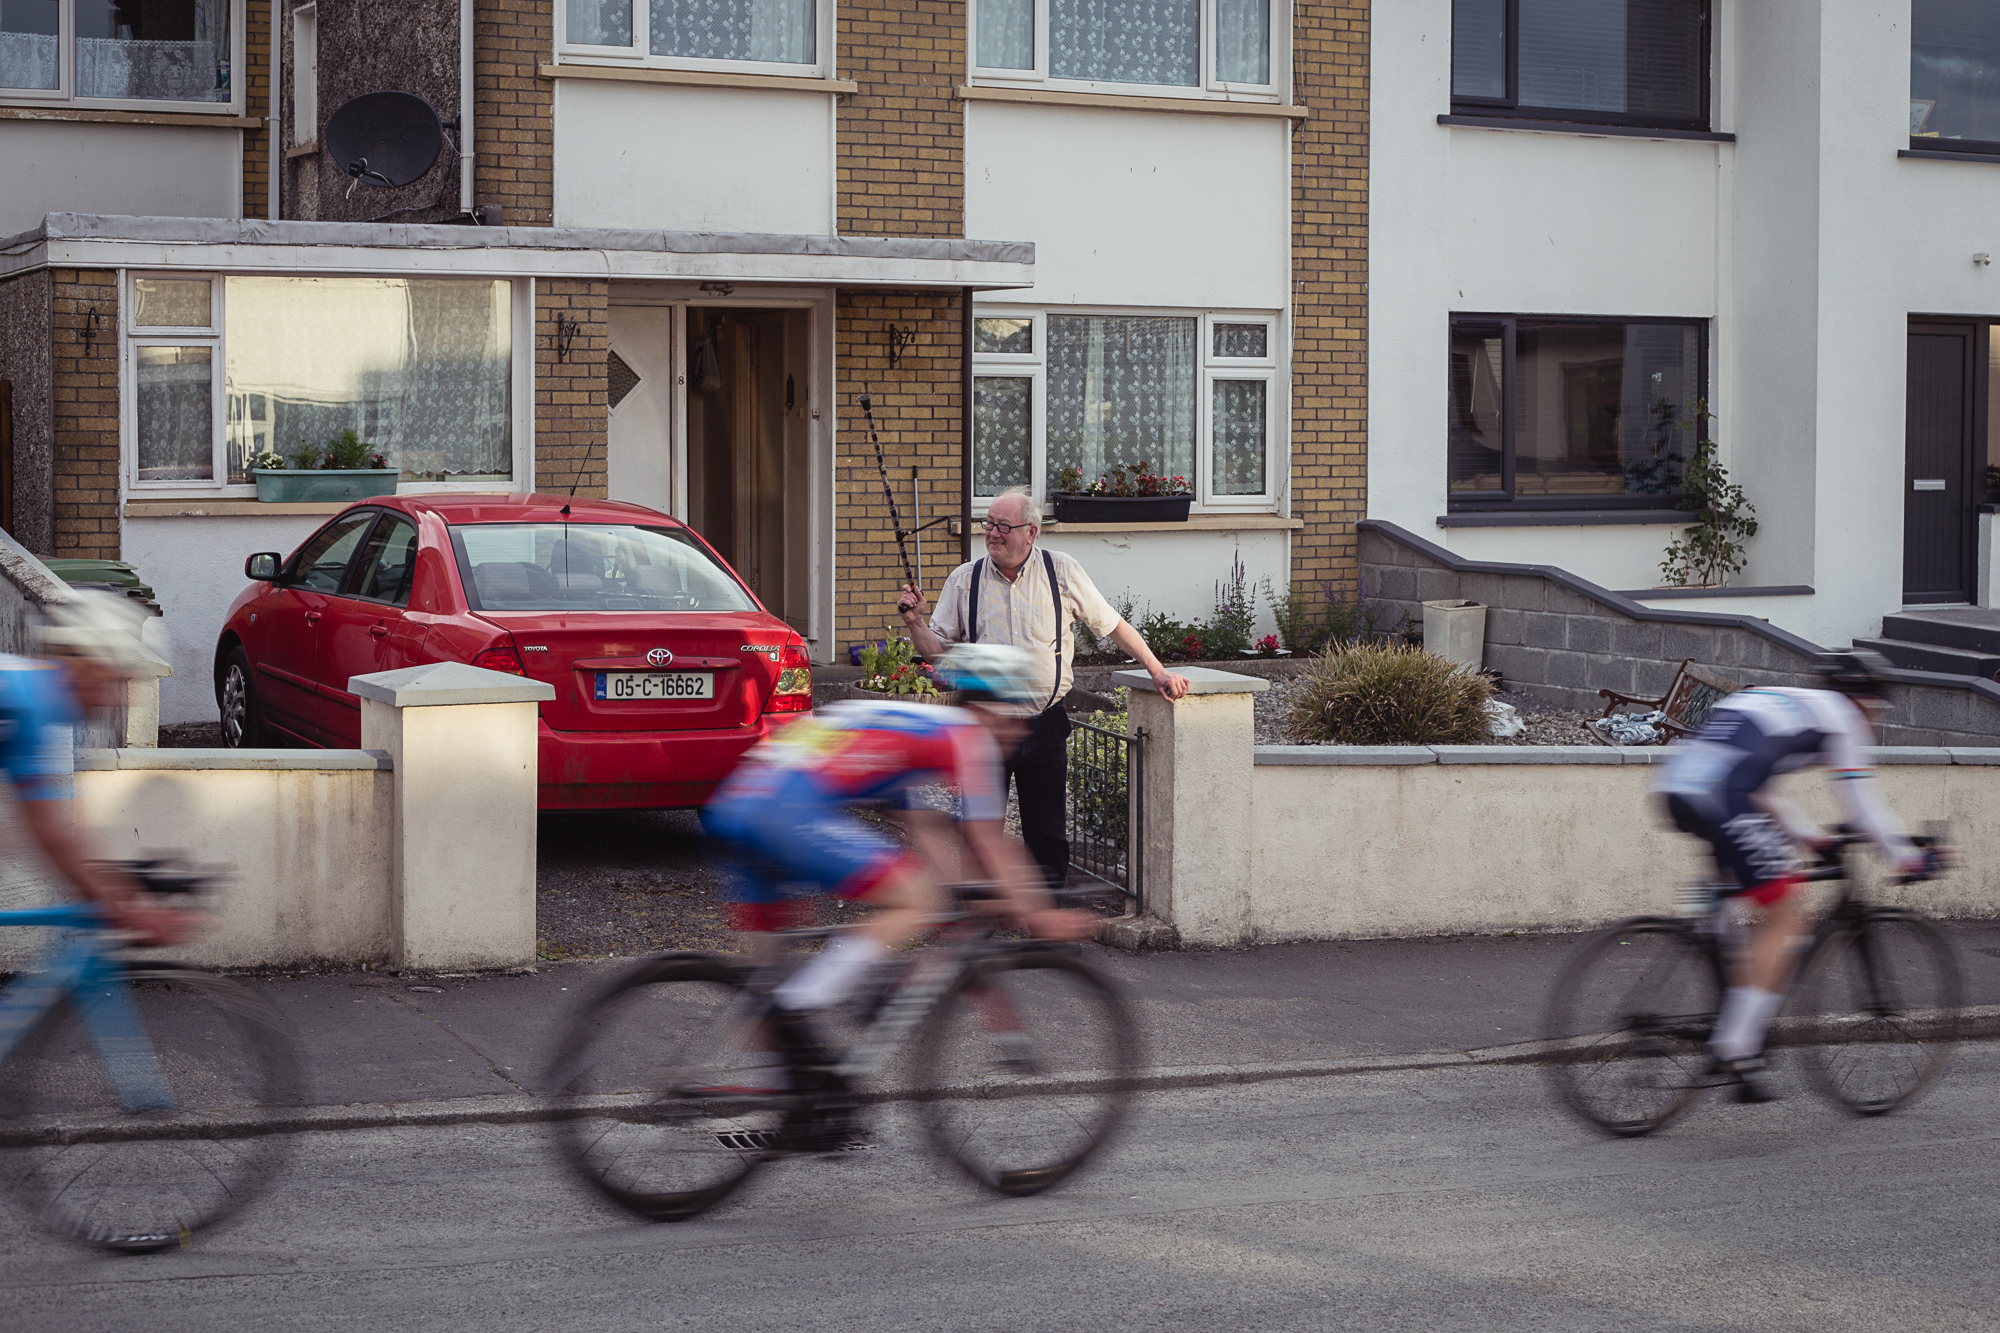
[255,71]
[900,147]
[513,110]
[85,393]
[917,406]
[572,411]
[1329,288]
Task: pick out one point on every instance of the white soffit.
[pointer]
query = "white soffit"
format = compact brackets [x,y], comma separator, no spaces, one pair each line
[79,240]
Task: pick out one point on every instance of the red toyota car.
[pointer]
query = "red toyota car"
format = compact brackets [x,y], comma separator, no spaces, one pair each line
[665,667]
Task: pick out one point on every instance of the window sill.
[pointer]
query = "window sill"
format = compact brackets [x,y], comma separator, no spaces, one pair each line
[1946,155]
[1577,127]
[1196,522]
[229,508]
[697,78]
[1566,518]
[302,150]
[181,118]
[1199,106]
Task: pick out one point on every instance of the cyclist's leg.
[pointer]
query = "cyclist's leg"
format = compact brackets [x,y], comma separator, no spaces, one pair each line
[1754,852]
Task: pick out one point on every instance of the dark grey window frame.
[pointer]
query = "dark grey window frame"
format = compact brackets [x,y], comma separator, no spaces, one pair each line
[1505,500]
[1510,107]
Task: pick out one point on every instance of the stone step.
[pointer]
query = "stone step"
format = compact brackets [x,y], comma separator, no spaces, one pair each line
[1934,657]
[1973,629]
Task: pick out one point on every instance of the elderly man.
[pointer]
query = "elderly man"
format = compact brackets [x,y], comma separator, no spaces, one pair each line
[1029,598]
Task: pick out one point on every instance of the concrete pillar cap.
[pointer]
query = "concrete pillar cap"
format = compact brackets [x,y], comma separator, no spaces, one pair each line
[1201,680]
[438,683]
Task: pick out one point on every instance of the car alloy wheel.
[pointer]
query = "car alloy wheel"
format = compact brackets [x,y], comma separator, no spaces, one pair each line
[235,706]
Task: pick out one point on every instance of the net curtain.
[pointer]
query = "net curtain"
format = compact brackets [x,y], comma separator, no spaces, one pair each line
[182,55]
[779,31]
[1122,389]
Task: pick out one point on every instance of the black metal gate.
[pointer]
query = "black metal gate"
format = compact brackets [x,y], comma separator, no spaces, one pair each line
[1106,807]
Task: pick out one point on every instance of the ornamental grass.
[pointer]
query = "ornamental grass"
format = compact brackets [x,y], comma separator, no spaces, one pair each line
[1389,694]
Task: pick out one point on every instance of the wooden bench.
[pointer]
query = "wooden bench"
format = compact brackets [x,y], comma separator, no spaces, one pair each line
[1690,697]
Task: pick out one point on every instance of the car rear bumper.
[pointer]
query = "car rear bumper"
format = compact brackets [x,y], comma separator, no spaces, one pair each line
[651,770]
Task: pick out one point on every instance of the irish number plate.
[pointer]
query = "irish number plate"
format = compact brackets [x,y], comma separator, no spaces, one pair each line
[617,685]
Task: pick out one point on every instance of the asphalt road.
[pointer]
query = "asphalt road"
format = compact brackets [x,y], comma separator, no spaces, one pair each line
[1445,1198]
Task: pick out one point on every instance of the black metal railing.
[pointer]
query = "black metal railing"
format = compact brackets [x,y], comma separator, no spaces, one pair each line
[1106,807]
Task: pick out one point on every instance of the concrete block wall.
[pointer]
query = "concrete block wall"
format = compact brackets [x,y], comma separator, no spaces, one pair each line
[1560,638]
[26,353]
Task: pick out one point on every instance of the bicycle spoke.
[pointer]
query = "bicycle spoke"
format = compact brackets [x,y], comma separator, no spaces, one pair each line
[1874,1013]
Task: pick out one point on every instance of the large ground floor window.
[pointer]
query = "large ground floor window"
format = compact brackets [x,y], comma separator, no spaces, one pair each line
[228,369]
[1187,394]
[1562,412]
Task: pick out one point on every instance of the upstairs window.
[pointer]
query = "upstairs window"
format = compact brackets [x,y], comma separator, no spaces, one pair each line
[1550,413]
[1955,75]
[778,36]
[1610,62]
[1188,47]
[162,54]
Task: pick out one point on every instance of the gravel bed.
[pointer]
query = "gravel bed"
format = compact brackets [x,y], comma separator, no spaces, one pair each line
[1547,724]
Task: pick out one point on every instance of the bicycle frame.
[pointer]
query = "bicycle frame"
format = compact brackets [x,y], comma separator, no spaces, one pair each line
[91,976]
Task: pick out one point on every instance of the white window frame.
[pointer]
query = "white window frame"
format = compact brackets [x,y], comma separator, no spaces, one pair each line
[1210,87]
[64,93]
[521,384]
[1267,369]
[639,55]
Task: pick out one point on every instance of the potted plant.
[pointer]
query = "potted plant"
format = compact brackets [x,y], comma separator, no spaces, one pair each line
[1128,493]
[344,468]
[895,669]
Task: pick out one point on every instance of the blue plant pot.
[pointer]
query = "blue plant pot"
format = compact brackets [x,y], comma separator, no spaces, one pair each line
[283,485]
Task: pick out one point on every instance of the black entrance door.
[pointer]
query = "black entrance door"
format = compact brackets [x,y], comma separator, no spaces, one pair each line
[1940,514]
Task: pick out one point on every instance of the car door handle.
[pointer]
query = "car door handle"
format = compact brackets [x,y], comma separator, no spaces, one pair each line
[378,630]
[313,617]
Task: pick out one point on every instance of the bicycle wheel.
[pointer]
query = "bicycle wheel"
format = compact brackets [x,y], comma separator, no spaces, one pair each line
[1632,1010]
[1876,1010]
[1027,1066]
[145,1180]
[671,1098]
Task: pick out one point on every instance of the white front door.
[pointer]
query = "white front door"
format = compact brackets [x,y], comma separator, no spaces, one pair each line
[639,454]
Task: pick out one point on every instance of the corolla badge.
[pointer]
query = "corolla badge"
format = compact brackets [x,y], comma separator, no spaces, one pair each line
[659,657]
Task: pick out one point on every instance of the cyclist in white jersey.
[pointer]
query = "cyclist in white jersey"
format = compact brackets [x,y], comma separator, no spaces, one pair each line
[1717,787]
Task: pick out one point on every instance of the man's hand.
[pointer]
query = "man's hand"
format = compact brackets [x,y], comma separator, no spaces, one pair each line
[153,925]
[1060,923]
[912,602]
[1170,684]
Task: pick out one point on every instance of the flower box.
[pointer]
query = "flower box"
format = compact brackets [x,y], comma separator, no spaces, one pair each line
[283,485]
[1121,508]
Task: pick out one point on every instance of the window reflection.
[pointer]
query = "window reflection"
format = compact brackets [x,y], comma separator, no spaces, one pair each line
[153,50]
[1955,71]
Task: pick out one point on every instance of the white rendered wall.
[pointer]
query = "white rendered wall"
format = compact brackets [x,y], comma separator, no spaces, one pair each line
[671,158]
[1136,208]
[195,566]
[53,166]
[1175,573]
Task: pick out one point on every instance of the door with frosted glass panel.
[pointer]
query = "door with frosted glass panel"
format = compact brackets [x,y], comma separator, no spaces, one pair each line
[639,457]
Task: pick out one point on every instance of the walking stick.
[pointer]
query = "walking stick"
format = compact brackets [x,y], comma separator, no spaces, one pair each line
[889,493]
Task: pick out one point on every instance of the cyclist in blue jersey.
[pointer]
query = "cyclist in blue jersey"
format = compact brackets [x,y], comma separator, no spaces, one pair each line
[92,650]
[1717,786]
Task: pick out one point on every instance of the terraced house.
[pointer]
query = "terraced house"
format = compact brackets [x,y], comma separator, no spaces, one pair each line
[664,250]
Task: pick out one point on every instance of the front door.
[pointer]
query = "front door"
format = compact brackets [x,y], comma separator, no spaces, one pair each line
[1940,501]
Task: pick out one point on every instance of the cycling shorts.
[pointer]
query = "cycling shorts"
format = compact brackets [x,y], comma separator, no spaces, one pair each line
[789,844]
[1753,853]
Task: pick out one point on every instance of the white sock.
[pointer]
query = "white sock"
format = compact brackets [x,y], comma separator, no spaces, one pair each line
[1746,1013]
[831,974]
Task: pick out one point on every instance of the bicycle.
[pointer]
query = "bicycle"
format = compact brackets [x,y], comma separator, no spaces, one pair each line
[1873,1013]
[1023,1061]
[131,1092]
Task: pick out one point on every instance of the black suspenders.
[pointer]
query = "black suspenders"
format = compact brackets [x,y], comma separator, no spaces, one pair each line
[1055,602]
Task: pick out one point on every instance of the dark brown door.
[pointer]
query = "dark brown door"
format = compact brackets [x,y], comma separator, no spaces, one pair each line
[1939,501]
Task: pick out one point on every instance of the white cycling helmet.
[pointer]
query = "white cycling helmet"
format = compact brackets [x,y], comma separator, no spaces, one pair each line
[982,672]
[100,627]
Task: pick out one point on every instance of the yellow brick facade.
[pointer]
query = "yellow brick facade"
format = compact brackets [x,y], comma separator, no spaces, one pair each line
[572,411]
[900,152]
[85,391]
[514,110]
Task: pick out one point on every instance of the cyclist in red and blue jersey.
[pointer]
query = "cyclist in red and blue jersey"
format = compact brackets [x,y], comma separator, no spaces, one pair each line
[92,648]
[1717,787]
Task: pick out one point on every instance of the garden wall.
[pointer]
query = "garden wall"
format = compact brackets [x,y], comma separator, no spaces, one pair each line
[1248,844]
[1561,638]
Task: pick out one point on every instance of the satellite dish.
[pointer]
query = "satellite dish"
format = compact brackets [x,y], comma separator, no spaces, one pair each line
[386,139]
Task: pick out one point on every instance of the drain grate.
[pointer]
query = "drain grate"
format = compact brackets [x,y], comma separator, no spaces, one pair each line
[769,1140]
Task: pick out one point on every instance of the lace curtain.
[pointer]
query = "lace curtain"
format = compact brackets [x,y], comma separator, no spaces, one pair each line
[1002,433]
[28,59]
[780,31]
[1121,389]
[1243,41]
[598,22]
[176,420]
[1239,437]
[180,55]
[421,369]
[1126,41]
[1005,38]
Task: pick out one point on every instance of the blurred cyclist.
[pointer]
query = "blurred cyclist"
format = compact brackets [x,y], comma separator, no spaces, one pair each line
[784,815]
[1717,787]
[91,648]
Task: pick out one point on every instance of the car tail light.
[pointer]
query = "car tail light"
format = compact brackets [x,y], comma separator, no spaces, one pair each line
[794,693]
[500,657]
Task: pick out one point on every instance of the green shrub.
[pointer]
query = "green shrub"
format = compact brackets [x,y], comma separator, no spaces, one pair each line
[1389,694]
[1097,798]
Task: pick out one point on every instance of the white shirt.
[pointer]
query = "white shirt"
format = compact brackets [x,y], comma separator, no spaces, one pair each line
[1021,615]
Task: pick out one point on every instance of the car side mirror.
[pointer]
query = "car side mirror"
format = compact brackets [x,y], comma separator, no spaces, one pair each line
[263,567]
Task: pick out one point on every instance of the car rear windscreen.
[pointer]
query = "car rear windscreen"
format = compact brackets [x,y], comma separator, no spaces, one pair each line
[591,567]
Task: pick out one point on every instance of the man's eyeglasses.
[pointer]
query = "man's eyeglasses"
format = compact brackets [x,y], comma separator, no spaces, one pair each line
[995,525]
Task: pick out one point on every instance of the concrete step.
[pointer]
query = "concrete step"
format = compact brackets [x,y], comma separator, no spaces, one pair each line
[1972,628]
[1934,657]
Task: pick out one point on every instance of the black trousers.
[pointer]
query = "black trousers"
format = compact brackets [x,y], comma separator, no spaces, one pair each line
[1040,770]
